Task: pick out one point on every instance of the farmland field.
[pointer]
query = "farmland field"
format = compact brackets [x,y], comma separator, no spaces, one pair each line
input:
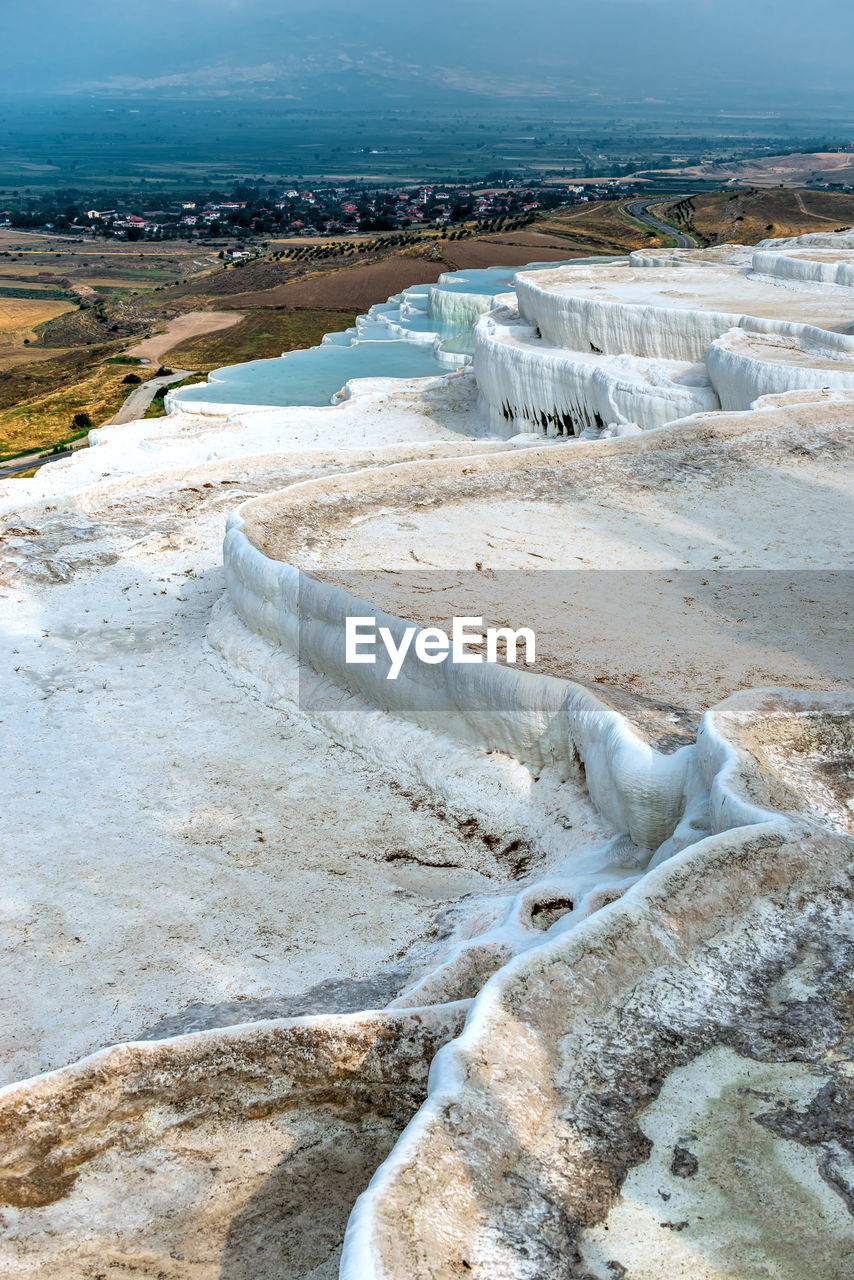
[34,257]
[19,319]
[193,143]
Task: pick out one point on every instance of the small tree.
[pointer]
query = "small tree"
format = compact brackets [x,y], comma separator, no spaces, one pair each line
[81,422]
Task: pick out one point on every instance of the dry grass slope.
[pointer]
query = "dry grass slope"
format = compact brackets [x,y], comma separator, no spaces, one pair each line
[260,335]
[356,286]
[752,215]
[19,320]
[44,420]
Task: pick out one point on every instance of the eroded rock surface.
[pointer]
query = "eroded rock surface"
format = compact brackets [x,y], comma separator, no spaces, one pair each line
[665,1090]
[232,1154]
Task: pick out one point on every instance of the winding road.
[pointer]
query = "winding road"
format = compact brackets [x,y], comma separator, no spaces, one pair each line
[638,209]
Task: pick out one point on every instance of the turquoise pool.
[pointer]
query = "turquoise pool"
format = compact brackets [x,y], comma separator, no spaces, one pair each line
[374,348]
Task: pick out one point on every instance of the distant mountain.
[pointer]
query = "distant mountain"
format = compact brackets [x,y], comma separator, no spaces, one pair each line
[349,74]
[724,52]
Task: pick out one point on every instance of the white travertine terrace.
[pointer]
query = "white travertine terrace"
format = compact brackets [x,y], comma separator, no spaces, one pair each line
[842,239]
[649,340]
[670,312]
[503,1171]
[241,1147]
[628,979]
[731,255]
[542,1150]
[813,266]
[536,718]
[816,265]
[528,383]
[457,308]
[745,366]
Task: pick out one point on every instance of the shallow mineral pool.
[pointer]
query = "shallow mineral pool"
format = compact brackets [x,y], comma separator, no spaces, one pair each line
[375,348]
[312,377]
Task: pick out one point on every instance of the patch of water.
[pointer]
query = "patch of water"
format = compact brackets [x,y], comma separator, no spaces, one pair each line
[396,339]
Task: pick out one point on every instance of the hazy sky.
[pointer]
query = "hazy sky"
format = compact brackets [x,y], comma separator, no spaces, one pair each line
[646,47]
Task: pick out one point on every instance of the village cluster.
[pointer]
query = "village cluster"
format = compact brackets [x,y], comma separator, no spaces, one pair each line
[320,210]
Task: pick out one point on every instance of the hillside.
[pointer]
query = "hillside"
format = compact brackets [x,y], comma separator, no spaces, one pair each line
[752,215]
[599,227]
[771,171]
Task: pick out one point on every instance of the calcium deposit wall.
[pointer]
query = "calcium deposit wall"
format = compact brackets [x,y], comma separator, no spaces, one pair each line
[647,340]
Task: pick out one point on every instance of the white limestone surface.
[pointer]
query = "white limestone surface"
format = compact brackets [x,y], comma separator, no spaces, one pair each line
[767,492]
[672,312]
[523,380]
[745,366]
[760,487]
[794,259]
[798,399]
[169,844]
[175,850]
[540,1139]
[823,266]
[840,239]
[455,307]
[375,413]
[236,1152]
[735,255]
[535,719]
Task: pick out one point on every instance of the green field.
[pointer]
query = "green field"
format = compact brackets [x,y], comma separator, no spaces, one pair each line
[41,295]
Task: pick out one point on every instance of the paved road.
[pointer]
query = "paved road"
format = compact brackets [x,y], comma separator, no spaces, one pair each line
[639,209]
[134,407]
[30,463]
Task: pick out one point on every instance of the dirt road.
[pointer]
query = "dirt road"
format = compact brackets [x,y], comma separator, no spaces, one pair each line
[808,212]
[141,397]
